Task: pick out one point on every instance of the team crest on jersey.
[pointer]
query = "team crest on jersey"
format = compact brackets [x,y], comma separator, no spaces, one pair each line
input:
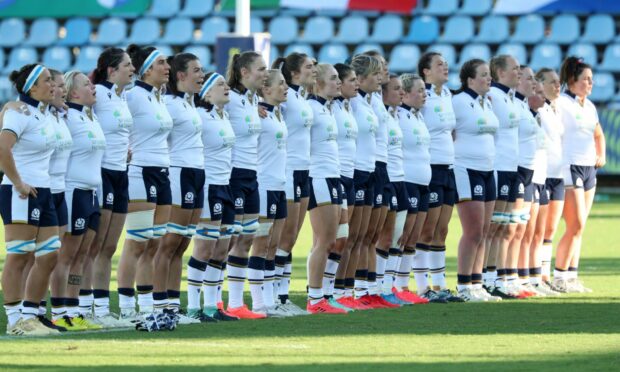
[579,182]
[189,197]
[394,201]
[298,191]
[239,202]
[379,199]
[334,192]
[273,209]
[79,224]
[152,191]
[433,197]
[109,199]
[504,190]
[478,190]
[414,202]
[217,208]
[35,214]
[521,188]
[359,195]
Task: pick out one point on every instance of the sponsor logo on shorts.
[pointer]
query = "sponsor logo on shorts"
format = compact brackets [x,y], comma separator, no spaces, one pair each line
[433,197]
[273,209]
[239,202]
[35,214]
[579,182]
[548,194]
[189,197]
[334,192]
[478,190]
[153,192]
[504,190]
[379,199]
[79,224]
[394,201]
[298,191]
[521,188]
[359,195]
[414,202]
[217,208]
[109,199]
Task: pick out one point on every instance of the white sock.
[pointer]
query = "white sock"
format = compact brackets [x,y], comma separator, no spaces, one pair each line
[437,265]
[420,267]
[560,275]
[86,299]
[285,282]
[315,295]
[256,278]
[145,300]
[280,261]
[270,273]
[381,258]
[126,299]
[546,252]
[404,268]
[13,313]
[210,283]
[102,302]
[390,270]
[329,274]
[195,274]
[220,284]
[237,273]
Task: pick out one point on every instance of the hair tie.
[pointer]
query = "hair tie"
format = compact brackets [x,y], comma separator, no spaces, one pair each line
[148,62]
[280,66]
[206,87]
[32,77]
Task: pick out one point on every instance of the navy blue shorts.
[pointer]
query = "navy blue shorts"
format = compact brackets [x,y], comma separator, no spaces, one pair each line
[395,193]
[83,210]
[297,185]
[381,179]
[273,205]
[220,204]
[418,197]
[364,192]
[149,184]
[507,186]
[555,188]
[580,177]
[61,208]
[348,190]
[39,211]
[324,191]
[442,187]
[525,188]
[114,190]
[186,186]
[244,187]
[540,194]
[475,185]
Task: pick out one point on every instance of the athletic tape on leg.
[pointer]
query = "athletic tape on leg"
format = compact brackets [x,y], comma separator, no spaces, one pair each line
[250,226]
[343,231]
[139,225]
[48,246]
[174,228]
[399,226]
[206,231]
[263,229]
[159,230]
[20,246]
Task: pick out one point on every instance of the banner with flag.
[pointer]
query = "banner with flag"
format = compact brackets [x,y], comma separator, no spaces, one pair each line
[392,6]
[512,7]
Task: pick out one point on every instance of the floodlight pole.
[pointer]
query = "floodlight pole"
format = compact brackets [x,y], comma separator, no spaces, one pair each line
[242,17]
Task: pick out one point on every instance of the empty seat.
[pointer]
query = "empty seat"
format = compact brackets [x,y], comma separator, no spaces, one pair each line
[164,8]
[318,30]
[165,49]
[196,8]
[367,47]
[493,30]
[454,82]
[112,31]
[516,50]
[7,92]
[388,29]
[210,28]
[333,53]
[472,51]
[77,32]
[20,56]
[447,51]
[545,55]
[202,52]
[43,32]
[404,58]
[144,31]
[600,29]
[2,59]
[530,29]
[441,7]
[565,29]
[458,30]
[611,58]
[13,31]
[301,12]
[353,30]
[86,61]
[423,30]
[299,48]
[586,51]
[476,7]
[603,87]
[257,24]
[58,58]
[179,31]
[283,30]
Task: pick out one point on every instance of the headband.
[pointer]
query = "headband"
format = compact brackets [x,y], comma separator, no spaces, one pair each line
[209,84]
[148,62]
[32,77]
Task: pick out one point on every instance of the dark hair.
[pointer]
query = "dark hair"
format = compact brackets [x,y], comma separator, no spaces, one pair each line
[292,63]
[138,55]
[571,68]
[111,57]
[373,53]
[468,71]
[391,76]
[540,75]
[18,77]
[201,102]
[54,73]
[343,70]
[239,61]
[178,63]
[497,63]
[425,62]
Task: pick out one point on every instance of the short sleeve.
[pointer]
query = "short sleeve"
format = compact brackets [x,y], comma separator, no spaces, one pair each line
[15,122]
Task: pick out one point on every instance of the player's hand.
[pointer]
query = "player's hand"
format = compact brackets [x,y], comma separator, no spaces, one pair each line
[25,190]
[262,112]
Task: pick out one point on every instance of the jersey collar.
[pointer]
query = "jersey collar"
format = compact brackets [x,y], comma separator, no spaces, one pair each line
[32,102]
[500,86]
[520,96]
[267,106]
[471,93]
[145,86]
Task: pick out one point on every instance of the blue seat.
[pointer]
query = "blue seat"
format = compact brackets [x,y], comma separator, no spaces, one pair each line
[7,92]
[365,47]
[318,30]
[112,31]
[202,52]
[611,59]
[77,32]
[164,8]
[2,59]
[299,48]
[20,56]
[144,31]
[603,87]
[454,82]
[58,58]
[441,7]
[257,24]
[86,60]
[353,30]
[565,29]
[388,29]
[13,31]
[530,29]
[274,54]
[599,29]
[333,53]
[165,49]
[545,55]
[471,51]
[516,50]
[423,30]
[404,58]
[476,7]
[43,32]
[458,30]
[447,51]
[332,13]
[179,31]
[586,51]
[211,27]
[283,30]
[265,13]
[493,30]
[196,8]
[300,12]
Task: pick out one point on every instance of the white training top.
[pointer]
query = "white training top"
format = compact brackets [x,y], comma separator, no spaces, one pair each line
[506,108]
[151,126]
[552,125]
[579,125]
[218,138]
[528,131]
[396,172]
[347,135]
[540,157]
[381,153]
[271,173]
[298,118]
[324,146]
[243,113]
[476,124]
[60,157]
[417,142]
[185,141]
[36,141]
[439,117]
[367,123]
[116,122]
[83,170]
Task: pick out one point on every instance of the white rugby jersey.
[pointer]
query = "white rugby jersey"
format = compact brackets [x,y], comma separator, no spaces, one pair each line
[60,157]
[148,138]
[184,141]
[579,125]
[528,131]
[476,124]
[84,168]
[347,135]
[507,111]
[367,123]
[116,122]
[36,141]
[551,121]
[381,153]
[298,118]
[324,146]
[218,138]
[540,157]
[396,172]
[417,142]
[271,171]
[440,120]
[243,113]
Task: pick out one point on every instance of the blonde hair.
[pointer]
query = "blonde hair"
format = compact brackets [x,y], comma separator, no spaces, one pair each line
[271,77]
[69,78]
[321,70]
[365,65]
[408,80]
